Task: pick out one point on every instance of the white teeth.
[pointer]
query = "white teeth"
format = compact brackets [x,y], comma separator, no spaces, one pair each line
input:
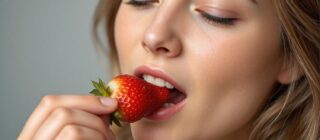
[169,86]
[145,77]
[150,79]
[157,81]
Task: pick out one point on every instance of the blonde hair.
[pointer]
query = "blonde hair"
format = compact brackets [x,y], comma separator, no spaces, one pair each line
[293,111]
[294,114]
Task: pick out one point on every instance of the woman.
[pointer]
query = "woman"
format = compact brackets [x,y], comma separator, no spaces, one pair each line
[245,69]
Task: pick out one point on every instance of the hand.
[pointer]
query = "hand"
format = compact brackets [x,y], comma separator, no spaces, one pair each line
[70,117]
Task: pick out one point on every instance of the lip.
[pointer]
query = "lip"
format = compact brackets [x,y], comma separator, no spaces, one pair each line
[166,113]
[162,113]
[157,72]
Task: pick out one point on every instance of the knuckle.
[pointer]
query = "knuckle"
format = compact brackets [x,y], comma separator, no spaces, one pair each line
[73,132]
[49,100]
[62,113]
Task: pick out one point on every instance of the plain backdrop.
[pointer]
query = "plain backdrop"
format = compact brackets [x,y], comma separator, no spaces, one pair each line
[45,48]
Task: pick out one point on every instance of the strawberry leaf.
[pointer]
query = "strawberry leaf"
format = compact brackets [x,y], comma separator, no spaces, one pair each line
[113,119]
[95,92]
[103,88]
[101,83]
[97,86]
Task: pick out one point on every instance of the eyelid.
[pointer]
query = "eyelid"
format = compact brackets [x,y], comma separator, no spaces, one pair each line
[212,19]
[213,10]
[212,15]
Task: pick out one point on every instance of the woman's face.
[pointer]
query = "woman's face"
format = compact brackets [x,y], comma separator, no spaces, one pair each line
[223,55]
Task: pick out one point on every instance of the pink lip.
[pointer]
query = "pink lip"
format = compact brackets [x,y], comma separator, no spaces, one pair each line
[156,72]
[166,113]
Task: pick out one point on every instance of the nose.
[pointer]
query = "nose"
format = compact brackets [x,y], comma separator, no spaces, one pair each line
[161,37]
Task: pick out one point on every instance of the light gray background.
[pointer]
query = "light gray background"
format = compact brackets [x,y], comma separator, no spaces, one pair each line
[45,47]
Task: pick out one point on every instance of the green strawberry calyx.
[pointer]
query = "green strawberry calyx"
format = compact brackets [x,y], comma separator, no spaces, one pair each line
[101,89]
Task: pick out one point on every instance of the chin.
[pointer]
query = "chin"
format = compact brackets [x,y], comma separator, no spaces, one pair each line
[149,130]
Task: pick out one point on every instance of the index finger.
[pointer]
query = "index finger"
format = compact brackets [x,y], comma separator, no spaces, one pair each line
[88,103]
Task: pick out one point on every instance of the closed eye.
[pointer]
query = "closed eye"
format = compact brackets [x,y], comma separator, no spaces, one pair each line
[216,19]
[141,3]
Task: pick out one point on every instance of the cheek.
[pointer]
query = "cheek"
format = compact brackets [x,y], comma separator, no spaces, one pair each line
[237,60]
[128,34]
[235,75]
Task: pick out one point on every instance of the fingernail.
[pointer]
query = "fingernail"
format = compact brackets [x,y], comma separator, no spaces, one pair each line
[107,101]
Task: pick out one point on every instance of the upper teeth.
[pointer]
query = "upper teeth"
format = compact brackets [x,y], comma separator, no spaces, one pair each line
[157,81]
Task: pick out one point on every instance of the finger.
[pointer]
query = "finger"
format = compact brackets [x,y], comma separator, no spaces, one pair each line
[92,104]
[105,119]
[109,133]
[61,117]
[76,132]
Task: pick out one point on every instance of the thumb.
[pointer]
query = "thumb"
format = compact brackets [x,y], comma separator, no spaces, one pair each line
[109,104]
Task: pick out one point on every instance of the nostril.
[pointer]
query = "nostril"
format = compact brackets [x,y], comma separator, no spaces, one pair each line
[171,48]
[162,49]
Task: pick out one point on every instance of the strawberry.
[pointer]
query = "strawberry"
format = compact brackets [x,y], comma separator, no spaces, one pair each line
[136,97]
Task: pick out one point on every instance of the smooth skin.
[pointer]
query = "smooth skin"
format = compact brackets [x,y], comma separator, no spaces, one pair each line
[228,72]
[70,117]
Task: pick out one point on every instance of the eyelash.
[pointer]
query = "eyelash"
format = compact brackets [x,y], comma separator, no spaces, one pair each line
[207,17]
[214,19]
[141,4]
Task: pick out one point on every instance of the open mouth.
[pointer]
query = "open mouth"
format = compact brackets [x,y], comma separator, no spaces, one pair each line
[173,105]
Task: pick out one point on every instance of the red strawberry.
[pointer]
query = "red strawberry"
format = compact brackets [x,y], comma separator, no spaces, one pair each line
[136,97]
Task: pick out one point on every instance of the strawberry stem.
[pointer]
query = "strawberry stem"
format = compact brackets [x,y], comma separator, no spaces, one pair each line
[114,119]
[101,90]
